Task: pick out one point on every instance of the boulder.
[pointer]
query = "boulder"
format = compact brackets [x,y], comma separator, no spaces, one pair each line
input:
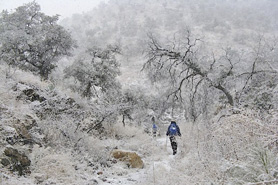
[28,92]
[16,161]
[132,159]
[33,95]
[24,134]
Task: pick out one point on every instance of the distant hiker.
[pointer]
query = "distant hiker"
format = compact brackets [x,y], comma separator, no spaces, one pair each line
[153,119]
[173,130]
[154,129]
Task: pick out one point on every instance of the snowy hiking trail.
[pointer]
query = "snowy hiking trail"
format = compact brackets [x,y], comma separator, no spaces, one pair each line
[159,165]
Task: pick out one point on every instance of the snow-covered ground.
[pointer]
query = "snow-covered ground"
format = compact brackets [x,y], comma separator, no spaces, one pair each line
[225,151]
[156,153]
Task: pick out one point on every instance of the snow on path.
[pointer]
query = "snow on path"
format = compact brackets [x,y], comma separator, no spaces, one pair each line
[158,166]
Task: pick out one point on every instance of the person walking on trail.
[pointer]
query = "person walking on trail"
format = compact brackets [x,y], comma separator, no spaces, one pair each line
[173,130]
[154,129]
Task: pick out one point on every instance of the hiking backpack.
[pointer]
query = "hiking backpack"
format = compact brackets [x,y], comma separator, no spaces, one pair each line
[173,130]
[154,127]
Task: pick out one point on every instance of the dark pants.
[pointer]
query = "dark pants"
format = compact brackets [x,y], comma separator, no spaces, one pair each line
[174,144]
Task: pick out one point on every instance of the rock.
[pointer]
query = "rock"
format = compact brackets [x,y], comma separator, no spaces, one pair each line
[28,92]
[28,131]
[10,134]
[24,134]
[15,154]
[133,160]
[40,178]
[33,96]
[18,161]
[23,131]
[5,162]
[9,130]
[99,173]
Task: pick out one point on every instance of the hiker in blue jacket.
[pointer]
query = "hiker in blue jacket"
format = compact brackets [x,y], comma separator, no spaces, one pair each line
[154,130]
[173,130]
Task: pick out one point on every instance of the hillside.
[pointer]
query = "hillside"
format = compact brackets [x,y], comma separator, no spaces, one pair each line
[230,151]
[78,97]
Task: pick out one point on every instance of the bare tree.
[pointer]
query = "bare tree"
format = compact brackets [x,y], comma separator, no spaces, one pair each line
[186,68]
[179,62]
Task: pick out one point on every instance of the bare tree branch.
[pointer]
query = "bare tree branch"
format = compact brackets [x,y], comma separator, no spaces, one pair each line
[184,63]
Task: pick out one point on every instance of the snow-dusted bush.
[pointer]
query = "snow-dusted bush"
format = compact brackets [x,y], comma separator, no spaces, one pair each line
[95,73]
[234,150]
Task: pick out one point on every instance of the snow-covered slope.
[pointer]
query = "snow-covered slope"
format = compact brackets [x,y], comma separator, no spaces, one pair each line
[236,148]
[49,135]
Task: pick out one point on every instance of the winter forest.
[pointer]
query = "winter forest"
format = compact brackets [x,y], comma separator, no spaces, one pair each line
[79,96]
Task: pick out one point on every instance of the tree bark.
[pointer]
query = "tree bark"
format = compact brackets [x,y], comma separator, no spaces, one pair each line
[226,92]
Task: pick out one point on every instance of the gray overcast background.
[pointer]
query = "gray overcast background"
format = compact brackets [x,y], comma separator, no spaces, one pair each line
[65,8]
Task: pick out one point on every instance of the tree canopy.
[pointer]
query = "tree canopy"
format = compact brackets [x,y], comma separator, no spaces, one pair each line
[33,41]
[95,73]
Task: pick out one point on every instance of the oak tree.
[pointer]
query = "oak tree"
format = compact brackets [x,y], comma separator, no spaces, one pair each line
[33,41]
